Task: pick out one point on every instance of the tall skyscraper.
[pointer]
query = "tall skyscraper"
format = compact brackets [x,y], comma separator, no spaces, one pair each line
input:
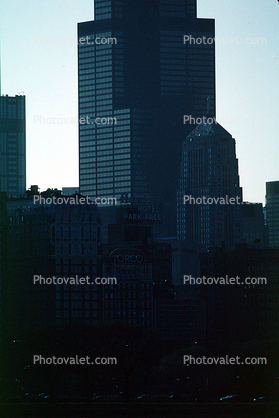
[209,195]
[137,79]
[12,145]
[272,212]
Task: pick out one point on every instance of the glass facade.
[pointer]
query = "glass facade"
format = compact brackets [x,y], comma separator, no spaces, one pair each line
[178,8]
[105,138]
[272,212]
[12,145]
[135,69]
[209,171]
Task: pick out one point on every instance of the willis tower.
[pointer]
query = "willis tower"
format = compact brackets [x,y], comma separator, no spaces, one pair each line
[137,80]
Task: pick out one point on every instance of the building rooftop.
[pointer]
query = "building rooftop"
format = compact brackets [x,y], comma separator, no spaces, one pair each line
[205,129]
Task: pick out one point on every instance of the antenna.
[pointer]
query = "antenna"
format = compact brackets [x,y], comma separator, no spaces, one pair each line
[208,105]
[0,61]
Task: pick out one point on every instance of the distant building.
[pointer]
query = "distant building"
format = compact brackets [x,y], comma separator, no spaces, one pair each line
[185,261]
[209,196]
[142,266]
[68,191]
[162,266]
[272,212]
[127,257]
[131,299]
[12,145]
[254,230]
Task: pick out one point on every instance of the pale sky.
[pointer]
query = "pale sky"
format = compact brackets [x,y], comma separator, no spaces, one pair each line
[39,59]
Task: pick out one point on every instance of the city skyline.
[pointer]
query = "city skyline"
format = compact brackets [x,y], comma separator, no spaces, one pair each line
[249,97]
[157,120]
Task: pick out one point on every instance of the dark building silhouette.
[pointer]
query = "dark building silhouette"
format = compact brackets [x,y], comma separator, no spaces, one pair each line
[47,239]
[245,312]
[12,145]
[68,191]
[272,212]
[144,293]
[3,256]
[142,267]
[180,320]
[185,261]
[254,229]
[135,69]
[209,196]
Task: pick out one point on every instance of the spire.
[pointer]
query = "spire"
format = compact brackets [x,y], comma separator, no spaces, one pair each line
[0,61]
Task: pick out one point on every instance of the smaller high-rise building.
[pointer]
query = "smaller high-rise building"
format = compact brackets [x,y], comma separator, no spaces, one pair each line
[272,212]
[12,145]
[127,258]
[209,195]
[254,229]
[50,237]
[246,307]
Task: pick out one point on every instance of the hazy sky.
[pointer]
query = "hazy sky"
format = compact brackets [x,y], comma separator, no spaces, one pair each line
[39,59]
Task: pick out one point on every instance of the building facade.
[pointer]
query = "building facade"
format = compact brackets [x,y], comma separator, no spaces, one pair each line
[236,313]
[47,240]
[137,80]
[254,229]
[12,145]
[3,255]
[180,320]
[209,197]
[128,258]
[272,212]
